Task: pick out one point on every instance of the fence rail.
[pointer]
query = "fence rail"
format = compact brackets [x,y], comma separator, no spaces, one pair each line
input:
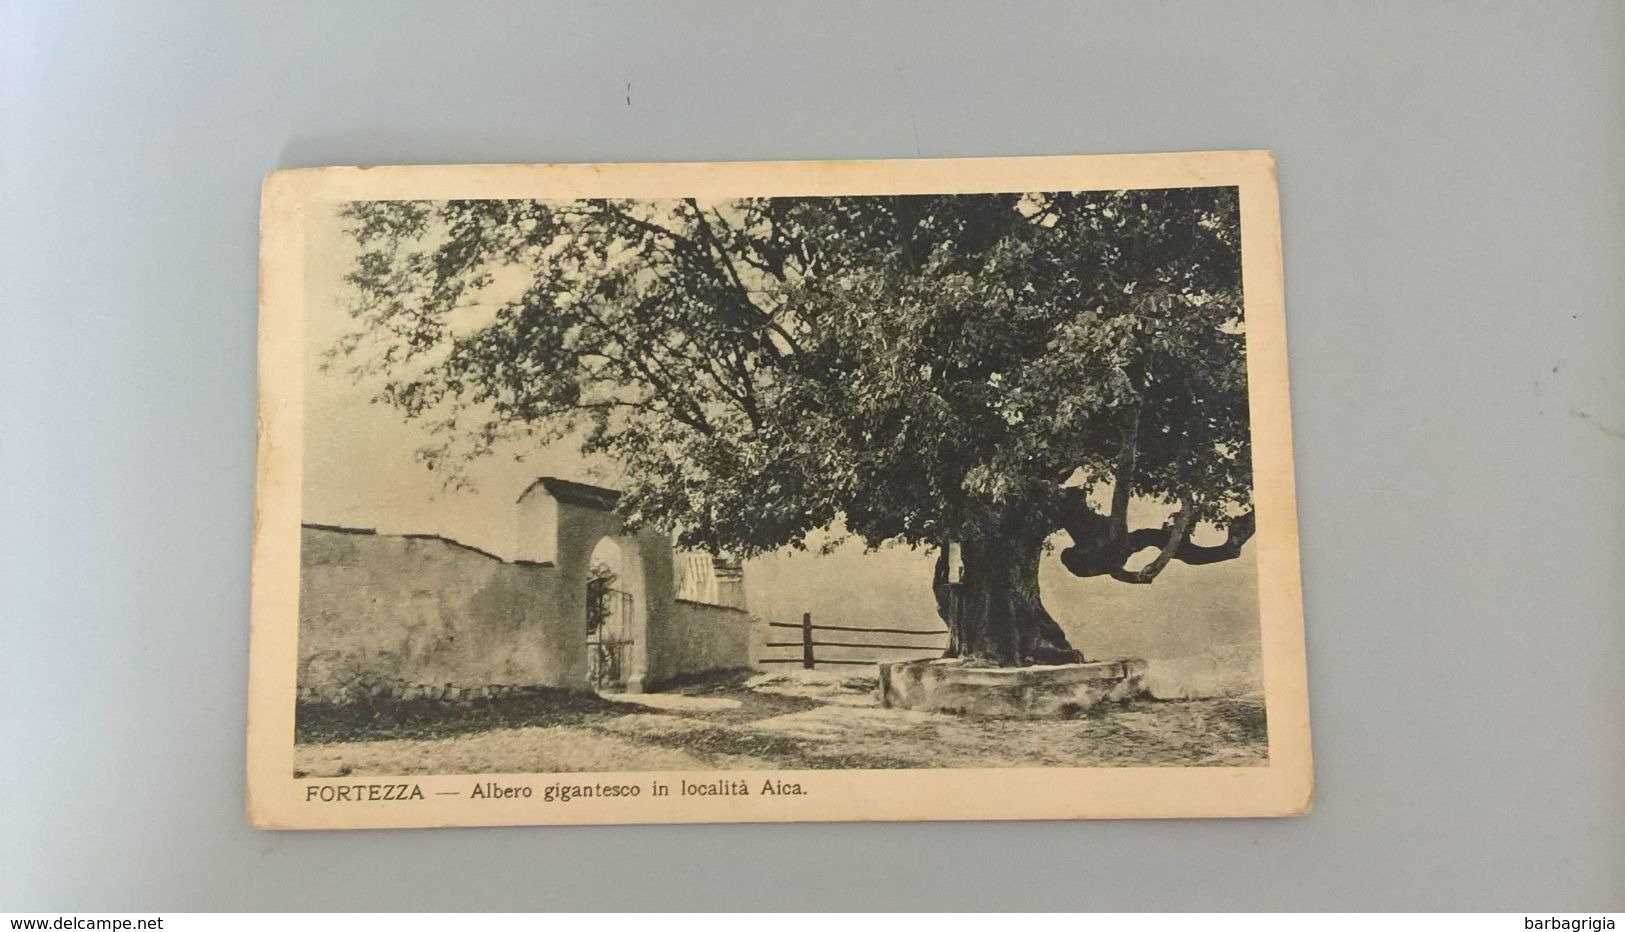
[808,643]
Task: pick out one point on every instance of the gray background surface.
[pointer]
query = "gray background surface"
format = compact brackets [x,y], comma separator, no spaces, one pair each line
[1454,213]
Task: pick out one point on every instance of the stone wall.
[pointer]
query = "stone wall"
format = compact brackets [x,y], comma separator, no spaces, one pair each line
[699,637]
[419,614]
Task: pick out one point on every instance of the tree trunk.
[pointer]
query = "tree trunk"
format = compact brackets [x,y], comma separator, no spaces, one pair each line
[994,613]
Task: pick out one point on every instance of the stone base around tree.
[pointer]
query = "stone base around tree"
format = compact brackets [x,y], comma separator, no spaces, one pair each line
[1009,692]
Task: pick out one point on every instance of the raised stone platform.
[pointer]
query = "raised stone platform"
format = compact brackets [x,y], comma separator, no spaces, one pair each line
[1009,692]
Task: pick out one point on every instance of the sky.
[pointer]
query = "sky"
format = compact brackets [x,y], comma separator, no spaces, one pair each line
[1199,625]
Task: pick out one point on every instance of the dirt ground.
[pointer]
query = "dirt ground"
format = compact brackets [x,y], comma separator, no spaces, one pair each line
[792,720]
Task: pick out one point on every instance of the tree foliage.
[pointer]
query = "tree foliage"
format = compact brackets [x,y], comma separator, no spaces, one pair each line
[930,369]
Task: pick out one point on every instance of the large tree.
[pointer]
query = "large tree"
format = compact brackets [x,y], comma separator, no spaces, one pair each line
[972,373]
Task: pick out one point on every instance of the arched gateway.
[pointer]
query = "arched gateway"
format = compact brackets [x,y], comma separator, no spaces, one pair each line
[639,623]
[564,523]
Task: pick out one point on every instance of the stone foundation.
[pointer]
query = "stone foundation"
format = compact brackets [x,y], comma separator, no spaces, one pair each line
[1009,692]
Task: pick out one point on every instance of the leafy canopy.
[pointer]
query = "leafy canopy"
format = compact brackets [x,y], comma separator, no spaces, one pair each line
[929,368]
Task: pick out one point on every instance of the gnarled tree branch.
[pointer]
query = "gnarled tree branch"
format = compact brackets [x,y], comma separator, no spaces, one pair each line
[1178,534]
[1097,551]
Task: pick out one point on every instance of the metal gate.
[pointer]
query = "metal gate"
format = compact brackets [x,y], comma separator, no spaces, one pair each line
[609,635]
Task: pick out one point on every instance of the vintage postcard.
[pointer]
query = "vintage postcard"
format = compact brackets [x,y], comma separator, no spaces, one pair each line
[758,492]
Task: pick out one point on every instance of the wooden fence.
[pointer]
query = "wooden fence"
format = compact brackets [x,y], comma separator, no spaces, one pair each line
[808,643]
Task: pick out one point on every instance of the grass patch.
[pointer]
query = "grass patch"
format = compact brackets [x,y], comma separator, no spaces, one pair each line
[427,719]
[1246,719]
[788,753]
[710,682]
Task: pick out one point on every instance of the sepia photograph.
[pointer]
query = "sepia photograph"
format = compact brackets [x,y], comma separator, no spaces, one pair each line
[794,491]
[538,457]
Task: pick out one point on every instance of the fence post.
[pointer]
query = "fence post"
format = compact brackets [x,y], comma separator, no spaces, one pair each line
[806,641]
